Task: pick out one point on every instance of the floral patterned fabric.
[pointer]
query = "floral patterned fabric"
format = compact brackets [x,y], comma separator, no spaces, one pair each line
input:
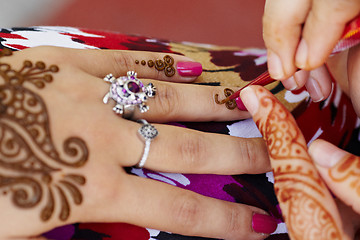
[333,120]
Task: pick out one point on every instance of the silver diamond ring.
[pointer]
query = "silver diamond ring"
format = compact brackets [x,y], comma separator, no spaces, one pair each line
[128,92]
[147,133]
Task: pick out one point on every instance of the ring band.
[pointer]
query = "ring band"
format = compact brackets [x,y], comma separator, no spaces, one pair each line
[128,92]
[147,133]
[128,112]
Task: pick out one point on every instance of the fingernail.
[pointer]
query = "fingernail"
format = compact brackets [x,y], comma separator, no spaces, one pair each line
[301,54]
[290,83]
[275,66]
[189,69]
[325,154]
[263,223]
[240,104]
[314,90]
[249,100]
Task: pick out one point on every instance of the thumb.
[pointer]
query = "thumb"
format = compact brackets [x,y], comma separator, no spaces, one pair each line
[340,170]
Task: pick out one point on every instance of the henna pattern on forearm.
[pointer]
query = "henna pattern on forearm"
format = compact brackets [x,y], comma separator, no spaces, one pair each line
[230,104]
[166,65]
[348,169]
[31,168]
[306,204]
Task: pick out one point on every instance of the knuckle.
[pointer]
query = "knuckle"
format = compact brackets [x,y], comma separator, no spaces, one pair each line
[167,101]
[122,62]
[193,150]
[233,222]
[187,210]
[53,55]
[250,154]
[236,224]
[255,153]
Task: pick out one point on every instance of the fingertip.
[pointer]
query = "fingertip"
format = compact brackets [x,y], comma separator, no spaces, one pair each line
[189,69]
[275,66]
[250,100]
[290,83]
[301,55]
[265,224]
[314,90]
[325,154]
[319,84]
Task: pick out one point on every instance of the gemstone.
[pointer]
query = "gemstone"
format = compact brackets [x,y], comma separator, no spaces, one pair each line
[133,87]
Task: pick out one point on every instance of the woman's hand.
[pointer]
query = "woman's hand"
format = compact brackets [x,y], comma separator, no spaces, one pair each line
[309,210]
[63,151]
[302,33]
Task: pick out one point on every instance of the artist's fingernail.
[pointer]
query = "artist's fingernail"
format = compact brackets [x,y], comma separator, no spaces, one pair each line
[263,223]
[240,104]
[249,100]
[325,154]
[275,66]
[314,90]
[290,83]
[189,69]
[301,54]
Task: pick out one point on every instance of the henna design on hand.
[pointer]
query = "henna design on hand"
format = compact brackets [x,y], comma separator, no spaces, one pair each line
[166,65]
[230,104]
[348,169]
[31,168]
[307,206]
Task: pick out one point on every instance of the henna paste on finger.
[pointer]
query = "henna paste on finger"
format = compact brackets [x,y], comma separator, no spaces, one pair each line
[307,206]
[166,64]
[230,104]
[29,160]
[151,63]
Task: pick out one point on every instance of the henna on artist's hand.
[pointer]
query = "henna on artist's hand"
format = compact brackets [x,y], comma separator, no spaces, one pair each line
[307,206]
[340,170]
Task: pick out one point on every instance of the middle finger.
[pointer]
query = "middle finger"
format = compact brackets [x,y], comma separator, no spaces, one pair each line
[188,102]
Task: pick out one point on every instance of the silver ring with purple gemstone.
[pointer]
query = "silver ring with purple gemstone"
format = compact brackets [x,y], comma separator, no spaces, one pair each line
[147,132]
[128,92]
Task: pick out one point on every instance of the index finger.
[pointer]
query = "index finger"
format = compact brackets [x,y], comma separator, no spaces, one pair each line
[282,25]
[99,63]
[323,28]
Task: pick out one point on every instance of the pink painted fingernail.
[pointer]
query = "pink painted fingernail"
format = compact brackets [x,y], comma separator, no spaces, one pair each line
[189,69]
[263,223]
[240,104]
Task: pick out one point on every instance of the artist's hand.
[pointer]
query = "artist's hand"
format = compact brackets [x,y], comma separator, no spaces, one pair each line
[63,151]
[302,33]
[341,172]
[309,209]
[344,67]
